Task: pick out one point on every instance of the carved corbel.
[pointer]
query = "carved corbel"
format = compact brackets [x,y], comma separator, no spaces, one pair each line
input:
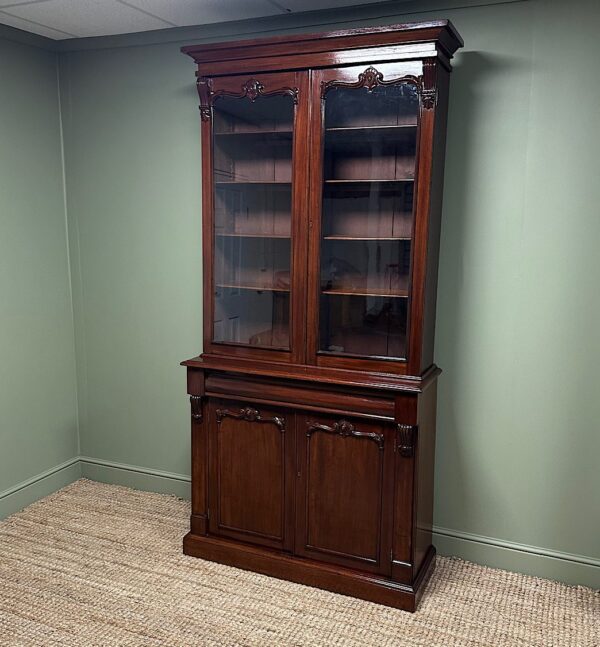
[196,407]
[406,439]
[428,85]
[204,87]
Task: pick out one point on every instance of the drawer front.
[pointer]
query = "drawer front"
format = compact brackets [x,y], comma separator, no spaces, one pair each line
[302,396]
[251,473]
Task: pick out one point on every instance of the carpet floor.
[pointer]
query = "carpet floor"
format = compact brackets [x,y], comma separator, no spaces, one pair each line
[101,565]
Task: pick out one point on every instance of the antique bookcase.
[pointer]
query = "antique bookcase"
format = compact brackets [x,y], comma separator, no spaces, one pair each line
[313,403]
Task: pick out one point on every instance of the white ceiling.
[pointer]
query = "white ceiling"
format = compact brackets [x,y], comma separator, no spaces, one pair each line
[60,19]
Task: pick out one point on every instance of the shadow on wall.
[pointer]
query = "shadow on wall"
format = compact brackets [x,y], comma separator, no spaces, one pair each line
[454,482]
[517,404]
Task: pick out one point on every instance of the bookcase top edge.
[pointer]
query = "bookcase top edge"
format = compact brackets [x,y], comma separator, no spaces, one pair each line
[441,32]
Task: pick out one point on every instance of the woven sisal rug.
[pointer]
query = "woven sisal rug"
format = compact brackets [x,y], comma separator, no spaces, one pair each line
[101,565]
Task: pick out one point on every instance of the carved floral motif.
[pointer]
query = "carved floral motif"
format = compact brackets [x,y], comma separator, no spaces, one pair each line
[369,79]
[372,78]
[252,89]
[251,415]
[345,429]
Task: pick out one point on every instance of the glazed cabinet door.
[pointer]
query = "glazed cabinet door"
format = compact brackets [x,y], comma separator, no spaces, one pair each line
[364,170]
[251,463]
[255,174]
[343,504]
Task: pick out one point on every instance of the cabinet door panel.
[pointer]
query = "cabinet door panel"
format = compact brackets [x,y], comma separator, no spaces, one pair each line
[251,473]
[363,168]
[342,502]
[255,159]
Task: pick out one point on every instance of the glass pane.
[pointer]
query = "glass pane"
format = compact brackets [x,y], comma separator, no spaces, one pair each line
[252,155]
[369,155]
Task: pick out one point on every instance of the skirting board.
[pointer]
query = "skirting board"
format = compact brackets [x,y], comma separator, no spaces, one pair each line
[531,560]
[21,495]
[520,558]
[140,478]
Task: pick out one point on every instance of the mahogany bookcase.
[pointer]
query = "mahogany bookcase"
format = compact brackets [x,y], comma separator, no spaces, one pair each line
[313,403]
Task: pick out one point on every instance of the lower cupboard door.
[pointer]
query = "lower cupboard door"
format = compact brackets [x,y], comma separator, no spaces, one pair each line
[344,493]
[251,473]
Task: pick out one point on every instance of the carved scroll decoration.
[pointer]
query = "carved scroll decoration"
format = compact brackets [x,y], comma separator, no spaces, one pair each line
[203,85]
[428,89]
[196,407]
[428,98]
[406,440]
[371,78]
[252,89]
[250,415]
[345,429]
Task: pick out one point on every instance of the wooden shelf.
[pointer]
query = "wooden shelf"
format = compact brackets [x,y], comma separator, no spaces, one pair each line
[243,344]
[370,129]
[284,134]
[253,288]
[400,294]
[367,238]
[254,235]
[346,182]
[252,182]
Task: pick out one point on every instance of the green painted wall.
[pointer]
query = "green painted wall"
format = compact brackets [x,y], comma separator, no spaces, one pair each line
[517,478]
[38,422]
[133,168]
[519,319]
